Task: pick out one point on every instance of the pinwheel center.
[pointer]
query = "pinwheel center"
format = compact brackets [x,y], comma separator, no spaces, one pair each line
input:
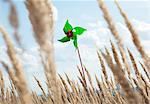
[69,34]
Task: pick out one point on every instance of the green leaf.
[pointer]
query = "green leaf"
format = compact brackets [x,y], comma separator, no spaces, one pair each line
[64,39]
[67,27]
[75,41]
[78,30]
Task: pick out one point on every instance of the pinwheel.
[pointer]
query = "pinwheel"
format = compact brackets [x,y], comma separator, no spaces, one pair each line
[72,33]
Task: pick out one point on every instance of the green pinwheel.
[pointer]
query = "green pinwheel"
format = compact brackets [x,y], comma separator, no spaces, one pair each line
[71,33]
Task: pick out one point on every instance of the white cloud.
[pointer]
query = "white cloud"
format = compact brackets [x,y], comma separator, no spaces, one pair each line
[28,57]
[97,24]
[143,30]
[141,26]
[98,34]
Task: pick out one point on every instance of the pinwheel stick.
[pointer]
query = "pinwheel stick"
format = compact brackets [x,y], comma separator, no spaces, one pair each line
[80,61]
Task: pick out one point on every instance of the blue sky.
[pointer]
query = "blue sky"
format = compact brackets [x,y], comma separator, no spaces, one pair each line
[87,14]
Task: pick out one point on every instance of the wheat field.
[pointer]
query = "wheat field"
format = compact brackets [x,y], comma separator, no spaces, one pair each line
[62,90]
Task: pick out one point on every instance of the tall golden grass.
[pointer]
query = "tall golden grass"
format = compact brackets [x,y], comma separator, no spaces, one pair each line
[62,90]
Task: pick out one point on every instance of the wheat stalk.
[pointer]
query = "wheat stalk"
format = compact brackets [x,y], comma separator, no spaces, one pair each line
[43,28]
[113,29]
[22,85]
[14,21]
[2,85]
[135,37]
[120,77]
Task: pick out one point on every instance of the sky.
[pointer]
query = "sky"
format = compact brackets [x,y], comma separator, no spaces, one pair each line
[84,13]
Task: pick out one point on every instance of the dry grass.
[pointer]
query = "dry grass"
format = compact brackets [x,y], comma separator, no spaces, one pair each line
[21,85]
[62,90]
[41,16]
[14,22]
[135,37]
